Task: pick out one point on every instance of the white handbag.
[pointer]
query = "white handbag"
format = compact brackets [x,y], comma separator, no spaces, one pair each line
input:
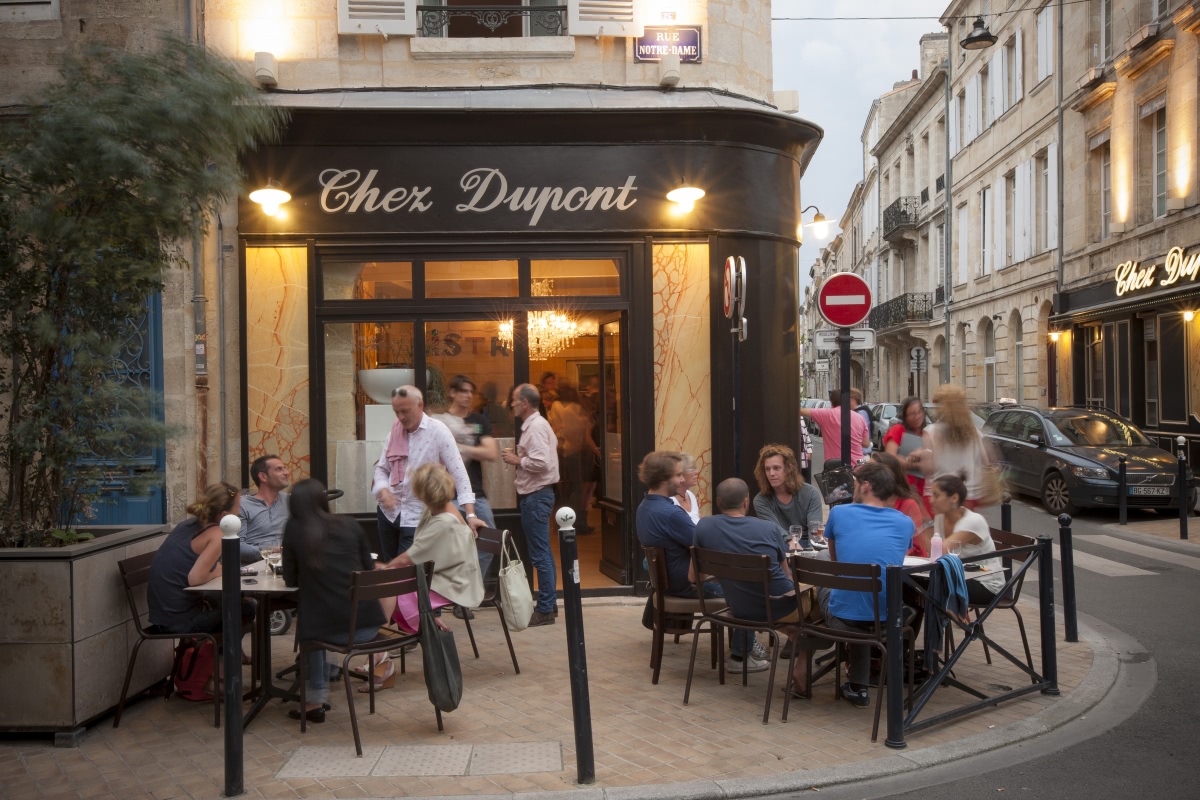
[516,600]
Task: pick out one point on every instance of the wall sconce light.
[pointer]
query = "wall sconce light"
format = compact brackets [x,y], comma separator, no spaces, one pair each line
[685,197]
[1188,316]
[819,223]
[1054,336]
[271,197]
[266,68]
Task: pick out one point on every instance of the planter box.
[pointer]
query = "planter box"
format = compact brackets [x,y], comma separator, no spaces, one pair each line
[66,633]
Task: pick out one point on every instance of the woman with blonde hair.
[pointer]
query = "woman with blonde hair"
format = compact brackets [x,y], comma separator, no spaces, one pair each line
[444,538]
[190,557]
[684,497]
[953,445]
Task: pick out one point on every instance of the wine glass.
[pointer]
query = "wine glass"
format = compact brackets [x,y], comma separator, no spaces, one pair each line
[273,556]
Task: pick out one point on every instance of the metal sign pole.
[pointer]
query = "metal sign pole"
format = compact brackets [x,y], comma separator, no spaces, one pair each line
[844,339]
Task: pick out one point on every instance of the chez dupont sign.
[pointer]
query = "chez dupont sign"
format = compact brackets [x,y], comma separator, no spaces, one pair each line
[1179,265]
[472,188]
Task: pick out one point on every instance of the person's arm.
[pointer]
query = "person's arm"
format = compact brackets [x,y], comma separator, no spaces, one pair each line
[963,533]
[764,508]
[813,507]
[891,439]
[448,454]
[207,567]
[831,533]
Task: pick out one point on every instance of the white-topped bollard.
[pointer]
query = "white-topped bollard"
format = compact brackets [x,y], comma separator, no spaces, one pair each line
[581,707]
[231,657]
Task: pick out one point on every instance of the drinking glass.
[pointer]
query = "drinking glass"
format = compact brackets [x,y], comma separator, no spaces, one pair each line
[273,556]
[794,538]
[953,548]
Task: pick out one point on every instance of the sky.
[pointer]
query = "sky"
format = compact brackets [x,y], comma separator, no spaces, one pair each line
[838,68]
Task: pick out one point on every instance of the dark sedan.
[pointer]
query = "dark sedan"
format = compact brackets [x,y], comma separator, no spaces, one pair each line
[1069,457]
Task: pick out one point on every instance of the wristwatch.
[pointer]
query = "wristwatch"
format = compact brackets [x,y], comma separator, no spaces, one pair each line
[472,516]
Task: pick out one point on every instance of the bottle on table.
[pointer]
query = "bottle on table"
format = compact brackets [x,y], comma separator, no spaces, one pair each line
[935,546]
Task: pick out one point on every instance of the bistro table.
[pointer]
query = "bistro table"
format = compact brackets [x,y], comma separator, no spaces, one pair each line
[264,586]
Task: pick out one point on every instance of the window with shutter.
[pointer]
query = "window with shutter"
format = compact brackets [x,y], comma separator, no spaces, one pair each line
[1045,43]
[604,18]
[28,10]
[999,229]
[390,17]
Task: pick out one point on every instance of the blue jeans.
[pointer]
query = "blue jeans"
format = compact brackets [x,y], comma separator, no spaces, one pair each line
[483,510]
[316,687]
[394,538]
[535,520]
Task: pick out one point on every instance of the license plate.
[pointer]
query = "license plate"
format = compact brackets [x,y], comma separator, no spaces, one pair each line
[1158,491]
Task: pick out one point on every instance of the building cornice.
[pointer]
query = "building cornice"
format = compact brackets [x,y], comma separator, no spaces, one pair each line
[936,82]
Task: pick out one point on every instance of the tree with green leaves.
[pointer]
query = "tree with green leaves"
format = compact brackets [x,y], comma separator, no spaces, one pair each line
[103,184]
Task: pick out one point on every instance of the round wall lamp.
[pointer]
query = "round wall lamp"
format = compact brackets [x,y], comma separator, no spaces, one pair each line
[685,197]
[1188,316]
[271,197]
[1054,336]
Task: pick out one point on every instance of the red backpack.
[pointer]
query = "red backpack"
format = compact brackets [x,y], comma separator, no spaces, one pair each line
[193,668]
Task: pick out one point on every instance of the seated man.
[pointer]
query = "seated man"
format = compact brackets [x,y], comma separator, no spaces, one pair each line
[867,531]
[731,531]
[265,513]
[661,523]
[784,498]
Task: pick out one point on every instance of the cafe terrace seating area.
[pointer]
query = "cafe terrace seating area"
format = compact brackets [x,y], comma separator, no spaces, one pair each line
[643,733]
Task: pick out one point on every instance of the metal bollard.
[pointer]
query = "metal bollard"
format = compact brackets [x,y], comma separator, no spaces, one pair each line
[1184,489]
[1067,551]
[1123,491]
[1046,613]
[895,658]
[1006,512]
[231,663]
[581,706]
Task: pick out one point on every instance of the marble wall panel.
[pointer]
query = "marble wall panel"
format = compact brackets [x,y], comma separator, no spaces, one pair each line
[277,355]
[682,357]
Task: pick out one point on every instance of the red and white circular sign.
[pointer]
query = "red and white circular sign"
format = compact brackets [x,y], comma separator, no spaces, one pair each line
[727,288]
[844,299]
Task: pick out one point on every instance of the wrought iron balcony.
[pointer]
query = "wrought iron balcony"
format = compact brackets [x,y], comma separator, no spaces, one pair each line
[503,21]
[900,216]
[910,307]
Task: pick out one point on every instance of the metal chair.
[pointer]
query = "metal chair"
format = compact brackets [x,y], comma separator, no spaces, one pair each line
[367,585]
[490,540]
[1005,539]
[749,569]
[818,574]
[672,615]
[135,573]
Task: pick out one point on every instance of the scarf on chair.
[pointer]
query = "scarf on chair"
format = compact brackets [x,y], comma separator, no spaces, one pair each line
[397,453]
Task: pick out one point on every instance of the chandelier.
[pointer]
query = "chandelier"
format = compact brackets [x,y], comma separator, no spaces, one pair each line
[548,332]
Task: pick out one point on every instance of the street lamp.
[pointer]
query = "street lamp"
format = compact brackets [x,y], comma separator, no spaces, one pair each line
[819,223]
[271,197]
[685,197]
[980,38]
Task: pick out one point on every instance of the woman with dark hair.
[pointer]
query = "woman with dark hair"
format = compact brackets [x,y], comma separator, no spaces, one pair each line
[956,523]
[906,501]
[190,557]
[906,437]
[320,550]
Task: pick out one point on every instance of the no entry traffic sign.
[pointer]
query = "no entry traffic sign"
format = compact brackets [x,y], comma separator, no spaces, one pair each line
[844,299]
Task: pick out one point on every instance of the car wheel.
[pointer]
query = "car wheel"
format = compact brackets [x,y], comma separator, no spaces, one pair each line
[281,621]
[1056,496]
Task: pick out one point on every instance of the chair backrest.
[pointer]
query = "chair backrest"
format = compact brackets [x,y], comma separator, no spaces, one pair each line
[1007,539]
[743,567]
[656,561]
[844,575]
[375,584]
[135,573]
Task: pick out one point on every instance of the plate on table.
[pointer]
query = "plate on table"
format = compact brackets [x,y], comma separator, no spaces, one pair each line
[916,561]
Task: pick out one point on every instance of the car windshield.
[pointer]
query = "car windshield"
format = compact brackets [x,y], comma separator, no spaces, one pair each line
[1086,428]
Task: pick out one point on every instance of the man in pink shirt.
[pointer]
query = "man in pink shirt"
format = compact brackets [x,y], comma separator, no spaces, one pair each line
[830,422]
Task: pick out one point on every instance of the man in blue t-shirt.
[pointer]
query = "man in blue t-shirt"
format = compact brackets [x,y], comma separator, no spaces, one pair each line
[867,531]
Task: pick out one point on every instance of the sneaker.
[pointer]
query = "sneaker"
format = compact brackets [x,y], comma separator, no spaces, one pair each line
[857,697]
[759,652]
[541,618]
[463,613]
[734,664]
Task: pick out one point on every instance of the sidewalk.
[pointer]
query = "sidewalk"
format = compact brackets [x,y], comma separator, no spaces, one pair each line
[513,733]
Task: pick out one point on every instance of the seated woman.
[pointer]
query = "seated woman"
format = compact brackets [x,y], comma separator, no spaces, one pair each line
[957,523]
[320,551]
[189,557]
[444,538]
[905,501]
[684,497]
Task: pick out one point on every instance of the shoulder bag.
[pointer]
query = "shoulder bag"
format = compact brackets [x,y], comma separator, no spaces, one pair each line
[439,655]
[991,479]
[516,600]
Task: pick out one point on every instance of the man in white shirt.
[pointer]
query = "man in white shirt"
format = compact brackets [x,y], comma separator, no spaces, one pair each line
[415,439]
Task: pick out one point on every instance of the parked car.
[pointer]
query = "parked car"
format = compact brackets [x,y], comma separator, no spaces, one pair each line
[1069,458]
[883,417]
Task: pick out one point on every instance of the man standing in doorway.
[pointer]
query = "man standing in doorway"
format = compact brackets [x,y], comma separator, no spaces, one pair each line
[536,460]
[475,441]
[264,513]
[415,439]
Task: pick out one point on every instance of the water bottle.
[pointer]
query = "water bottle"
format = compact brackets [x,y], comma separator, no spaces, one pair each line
[935,546]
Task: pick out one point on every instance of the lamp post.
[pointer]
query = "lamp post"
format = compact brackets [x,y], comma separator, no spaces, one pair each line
[980,38]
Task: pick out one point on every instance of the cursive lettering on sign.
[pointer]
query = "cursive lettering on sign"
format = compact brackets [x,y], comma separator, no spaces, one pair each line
[1179,265]
[1131,276]
[488,189]
[337,195]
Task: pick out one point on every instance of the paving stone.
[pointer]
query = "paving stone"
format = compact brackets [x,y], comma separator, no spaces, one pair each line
[518,758]
[329,762]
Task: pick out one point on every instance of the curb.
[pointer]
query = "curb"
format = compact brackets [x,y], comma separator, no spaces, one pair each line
[1111,650]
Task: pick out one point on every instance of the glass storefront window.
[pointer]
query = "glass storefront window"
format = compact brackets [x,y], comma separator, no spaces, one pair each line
[471,279]
[366,280]
[570,277]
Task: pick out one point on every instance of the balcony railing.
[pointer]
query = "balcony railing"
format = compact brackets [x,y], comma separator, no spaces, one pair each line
[901,215]
[910,307]
[940,183]
[505,21]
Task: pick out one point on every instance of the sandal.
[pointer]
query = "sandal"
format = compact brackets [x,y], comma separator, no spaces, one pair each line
[385,681]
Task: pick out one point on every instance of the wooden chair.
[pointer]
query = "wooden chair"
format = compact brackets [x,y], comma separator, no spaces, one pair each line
[490,540]
[746,568]
[364,585]
[818,574]
[135,573]
[672,615]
